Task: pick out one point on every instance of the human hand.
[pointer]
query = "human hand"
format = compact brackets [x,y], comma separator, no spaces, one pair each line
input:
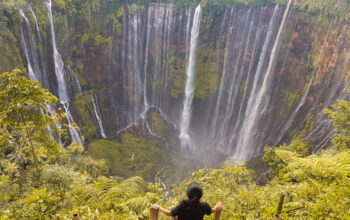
[155,206]
[217,208]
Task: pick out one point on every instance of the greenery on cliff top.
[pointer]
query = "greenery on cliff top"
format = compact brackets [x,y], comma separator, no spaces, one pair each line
[40,178]
[325,11]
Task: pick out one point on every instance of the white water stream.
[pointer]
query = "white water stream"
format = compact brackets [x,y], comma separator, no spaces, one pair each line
[98,118]
[61,80]
[189,86]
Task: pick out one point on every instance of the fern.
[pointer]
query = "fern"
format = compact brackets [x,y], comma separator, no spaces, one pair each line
[325,166]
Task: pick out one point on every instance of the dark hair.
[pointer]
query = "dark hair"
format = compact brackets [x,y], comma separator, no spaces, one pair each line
[194,194]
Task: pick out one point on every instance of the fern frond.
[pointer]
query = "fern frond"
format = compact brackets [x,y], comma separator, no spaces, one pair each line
[109,191]
[138,204]
[325,165]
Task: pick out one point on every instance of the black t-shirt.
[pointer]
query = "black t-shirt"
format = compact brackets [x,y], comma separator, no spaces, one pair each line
[191,213]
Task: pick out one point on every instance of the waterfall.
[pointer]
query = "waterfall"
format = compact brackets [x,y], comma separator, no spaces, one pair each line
[148,34]
[131,67]
[61,81]
[36,22]
[162,34]
[29,51]
[258,102]
[246,42]
[32,58]
[288,123]
[148,45]
[43,76]
[98,118]
[58,62]
[189,86]
[76,83]
[74,131]
[233,82]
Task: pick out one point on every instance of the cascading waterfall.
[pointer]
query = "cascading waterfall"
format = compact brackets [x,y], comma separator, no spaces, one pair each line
[98,118]
[234,81]
[146,52]
[247,40]
[58,62]
[61,81]
[160,34]
[158,44]
[76,83]
[33,59]
[257,105]
[36,22]
[189,86]
[131,53]
[29,51]
[40,52]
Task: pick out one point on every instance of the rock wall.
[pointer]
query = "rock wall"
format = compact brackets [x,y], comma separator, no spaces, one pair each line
[135,58]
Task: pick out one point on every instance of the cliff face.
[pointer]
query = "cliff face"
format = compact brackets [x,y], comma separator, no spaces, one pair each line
[253,87]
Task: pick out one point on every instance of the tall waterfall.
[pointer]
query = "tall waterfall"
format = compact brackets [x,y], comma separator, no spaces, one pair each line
[258,102]
[61,80]
[36,22]
[189,86]
[36,71]
[246,39]
[147,47]
[58,62]
[98,117]
[131,67]
[29,51]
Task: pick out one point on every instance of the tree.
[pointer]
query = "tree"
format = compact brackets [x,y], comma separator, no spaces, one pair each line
[341,121]
[26,129]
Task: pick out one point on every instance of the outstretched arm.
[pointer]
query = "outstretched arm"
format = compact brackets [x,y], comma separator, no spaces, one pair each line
[216,208]
[165,211]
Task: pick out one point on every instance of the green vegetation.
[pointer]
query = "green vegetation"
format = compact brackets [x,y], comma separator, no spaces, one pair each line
[206,76]
[158,125]
[40,178]
[84,107]
[115,19]
[133,9]
[61,4]
[98,40]
[138,157]
[341,118]
[290,98]
[10,53]
[177,76]
[325,12]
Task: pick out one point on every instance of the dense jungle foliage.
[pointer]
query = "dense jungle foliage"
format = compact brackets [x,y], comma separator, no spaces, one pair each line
[82,11]
[40,178]
[327,12]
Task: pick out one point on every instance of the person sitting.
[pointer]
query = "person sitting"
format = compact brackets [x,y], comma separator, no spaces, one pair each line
[191,209]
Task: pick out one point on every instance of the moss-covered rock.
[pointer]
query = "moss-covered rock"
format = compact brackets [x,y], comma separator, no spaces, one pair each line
[177,76]
[207,77]
[134,156]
